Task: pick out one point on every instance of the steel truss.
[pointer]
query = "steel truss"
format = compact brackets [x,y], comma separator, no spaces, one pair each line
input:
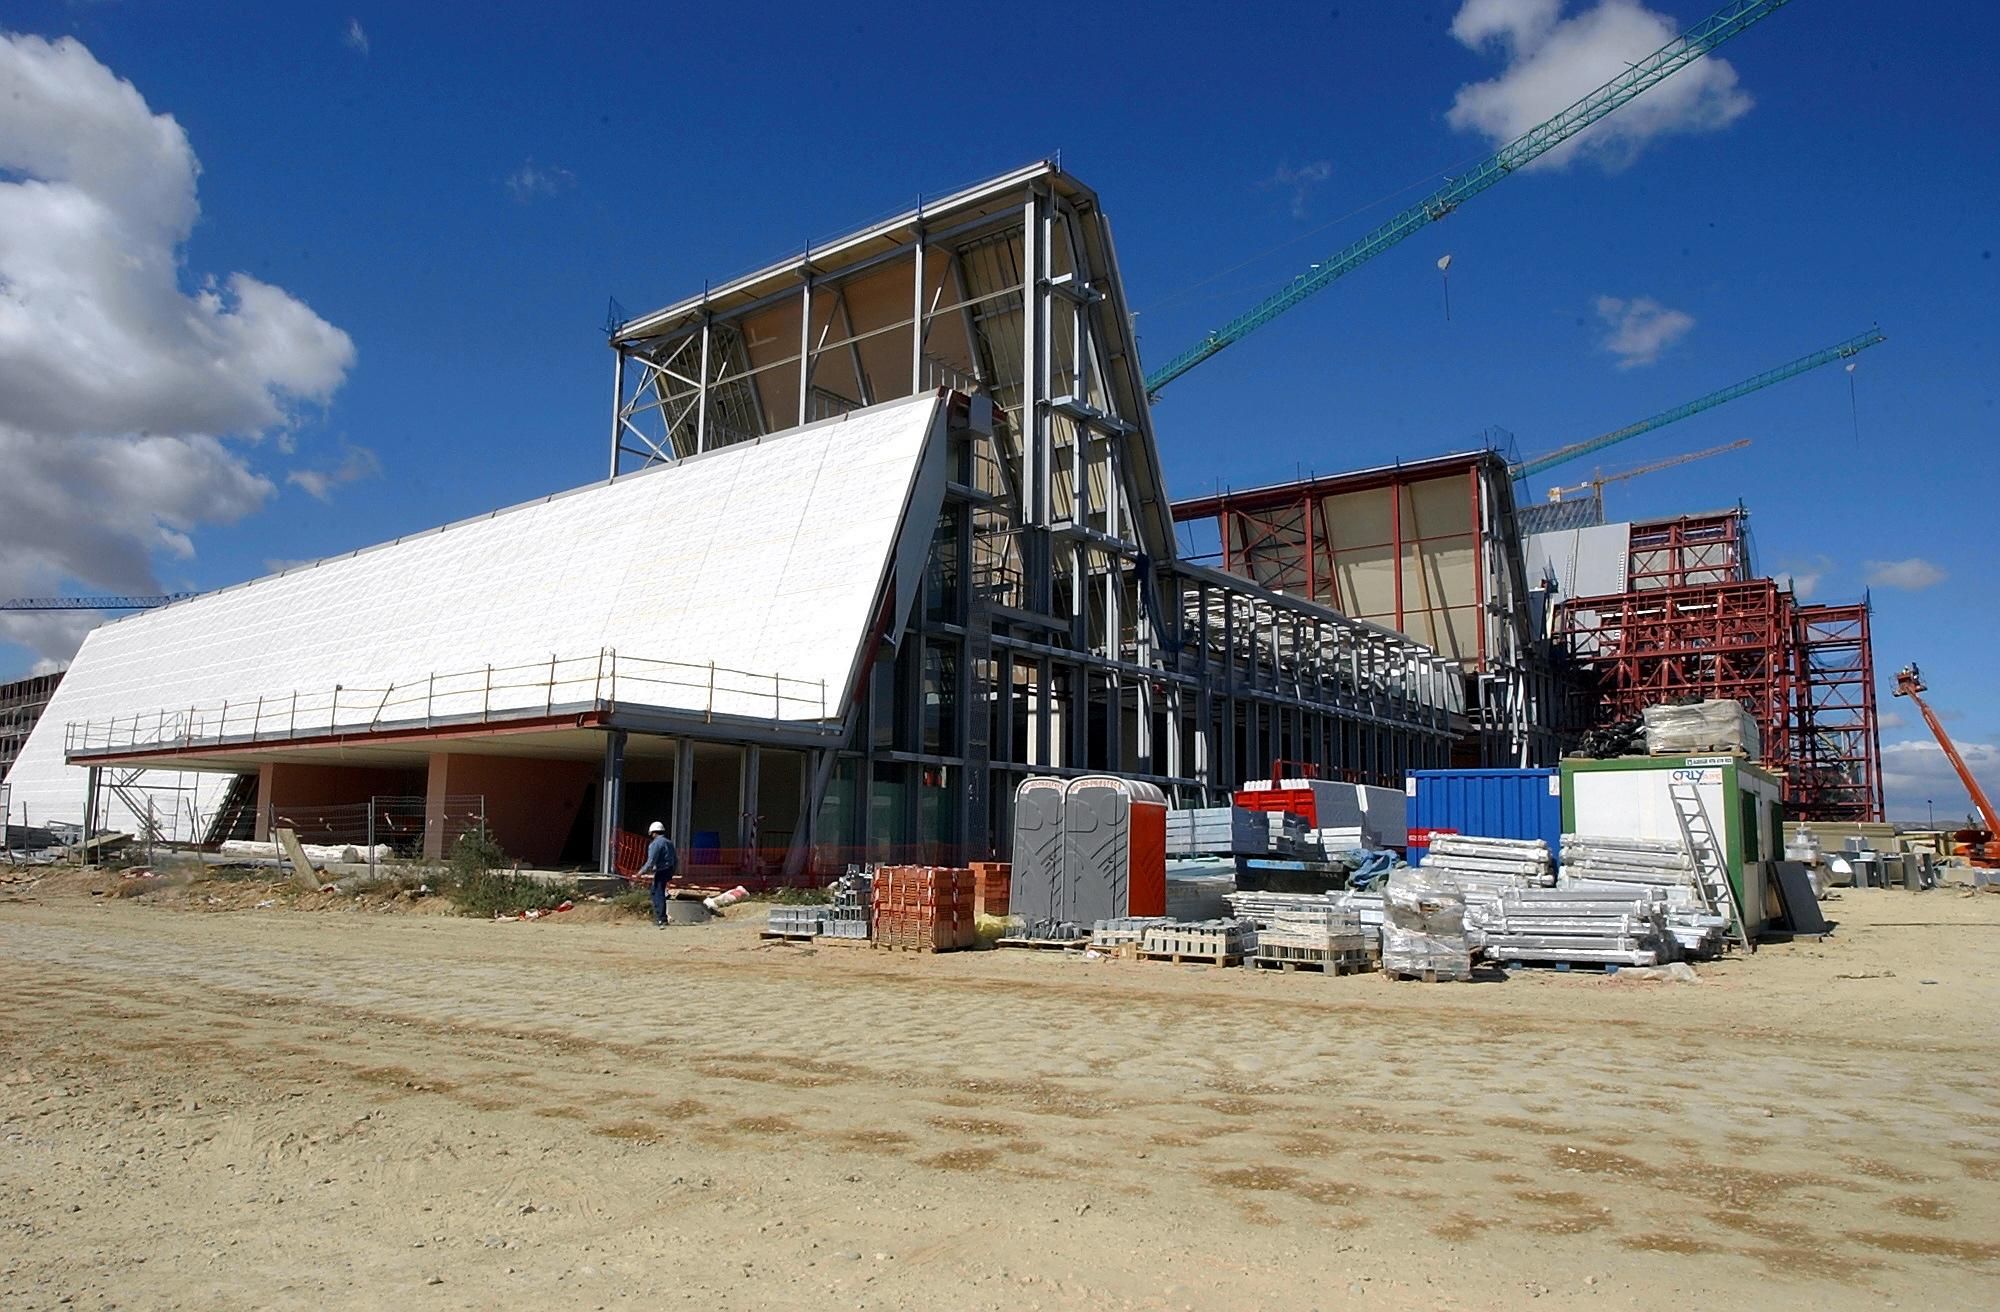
[1292,538]
[1689,551]
[1724,641]
[1056,632]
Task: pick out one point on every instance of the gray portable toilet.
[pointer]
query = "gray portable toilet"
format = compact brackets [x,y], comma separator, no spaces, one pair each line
[1114,849]
[1035,889]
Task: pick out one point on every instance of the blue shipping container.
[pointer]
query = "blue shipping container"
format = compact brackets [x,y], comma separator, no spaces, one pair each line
[1484,804]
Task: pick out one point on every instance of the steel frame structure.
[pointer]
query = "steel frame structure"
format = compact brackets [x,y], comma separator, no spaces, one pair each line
[1724,641]
[1307,539]
[21,705]
[1690,551]
[1839,739]
[1805,673]
[1056,633]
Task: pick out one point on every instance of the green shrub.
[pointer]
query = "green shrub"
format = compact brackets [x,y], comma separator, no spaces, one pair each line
[502,892]
[478,887]
[634,901]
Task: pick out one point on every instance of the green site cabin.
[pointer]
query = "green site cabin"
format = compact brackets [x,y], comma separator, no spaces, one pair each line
[1750,825]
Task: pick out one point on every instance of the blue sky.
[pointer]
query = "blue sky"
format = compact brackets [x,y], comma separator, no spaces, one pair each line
[460,199]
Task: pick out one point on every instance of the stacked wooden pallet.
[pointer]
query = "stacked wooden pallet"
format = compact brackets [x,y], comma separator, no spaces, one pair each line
[1327,938]
[923,908]
[1216,942]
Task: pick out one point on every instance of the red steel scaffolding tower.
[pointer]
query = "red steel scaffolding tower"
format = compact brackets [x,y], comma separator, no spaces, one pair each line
[1838,745]
[1696,625]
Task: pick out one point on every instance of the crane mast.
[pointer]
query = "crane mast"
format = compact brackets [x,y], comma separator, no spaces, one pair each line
[1727,23]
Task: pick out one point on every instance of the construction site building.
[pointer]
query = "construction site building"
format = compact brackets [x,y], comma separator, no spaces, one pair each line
[1428,548]
[884,530]
[1671,610]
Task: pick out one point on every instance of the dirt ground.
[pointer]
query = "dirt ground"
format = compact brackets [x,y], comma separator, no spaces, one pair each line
[209,1107]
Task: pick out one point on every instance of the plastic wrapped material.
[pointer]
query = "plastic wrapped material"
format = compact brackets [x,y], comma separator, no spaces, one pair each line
[1423,926]
[1712,726]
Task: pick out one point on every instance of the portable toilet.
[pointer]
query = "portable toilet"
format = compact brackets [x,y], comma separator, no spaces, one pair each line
[1038,850]
[1114,850]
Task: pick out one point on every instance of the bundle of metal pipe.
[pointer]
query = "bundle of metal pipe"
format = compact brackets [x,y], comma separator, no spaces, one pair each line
[1659,869]
[1570,924]
[1459,853]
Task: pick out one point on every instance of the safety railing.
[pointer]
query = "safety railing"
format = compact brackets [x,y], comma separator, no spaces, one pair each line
[601,681]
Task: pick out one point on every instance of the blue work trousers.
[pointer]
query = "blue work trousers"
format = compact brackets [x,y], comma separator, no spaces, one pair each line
[659,898]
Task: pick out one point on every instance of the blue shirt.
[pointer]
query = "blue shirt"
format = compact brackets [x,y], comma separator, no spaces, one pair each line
[660,857]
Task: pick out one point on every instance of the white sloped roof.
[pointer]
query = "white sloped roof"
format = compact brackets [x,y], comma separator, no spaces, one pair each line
[766,559]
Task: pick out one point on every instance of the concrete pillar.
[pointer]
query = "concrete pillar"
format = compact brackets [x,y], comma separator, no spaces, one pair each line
[434,795]
[611,802]
[682,824]
[265,773]
[749,824]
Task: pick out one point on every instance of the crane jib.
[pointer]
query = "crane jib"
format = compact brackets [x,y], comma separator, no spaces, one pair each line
[1725,24]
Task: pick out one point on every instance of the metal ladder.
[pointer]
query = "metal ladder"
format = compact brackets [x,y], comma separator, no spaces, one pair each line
[1705,851]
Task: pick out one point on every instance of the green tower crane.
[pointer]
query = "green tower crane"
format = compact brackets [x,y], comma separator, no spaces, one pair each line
[1851,347]
[1727,23]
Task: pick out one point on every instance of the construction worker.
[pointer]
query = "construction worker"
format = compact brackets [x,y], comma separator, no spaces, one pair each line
[661,862]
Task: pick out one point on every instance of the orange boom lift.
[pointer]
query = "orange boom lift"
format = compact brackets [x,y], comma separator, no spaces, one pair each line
[1982,845]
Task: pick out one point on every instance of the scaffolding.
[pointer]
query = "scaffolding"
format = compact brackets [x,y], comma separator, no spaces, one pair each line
[1805,673]
[1839,738]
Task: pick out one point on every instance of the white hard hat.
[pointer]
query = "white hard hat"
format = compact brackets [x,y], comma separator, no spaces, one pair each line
[656,828]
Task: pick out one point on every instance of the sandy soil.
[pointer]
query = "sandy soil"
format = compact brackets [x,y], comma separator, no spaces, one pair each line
[206,1107]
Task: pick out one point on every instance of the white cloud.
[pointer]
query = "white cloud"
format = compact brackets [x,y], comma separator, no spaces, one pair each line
[1890,720]
[1637,330]
[1915,772]
[1300,181]
[1553,61]
[1804,577]
[1912,575]
[118,382]
[355,464]
[532,180]
[355,38]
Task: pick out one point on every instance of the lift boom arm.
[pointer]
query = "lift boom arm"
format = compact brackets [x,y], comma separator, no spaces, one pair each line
[1910,684]
[1725,24]
[1804,364]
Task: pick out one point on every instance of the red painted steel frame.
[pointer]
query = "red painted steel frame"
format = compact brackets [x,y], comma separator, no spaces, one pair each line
[1727,641]
[1839,743]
